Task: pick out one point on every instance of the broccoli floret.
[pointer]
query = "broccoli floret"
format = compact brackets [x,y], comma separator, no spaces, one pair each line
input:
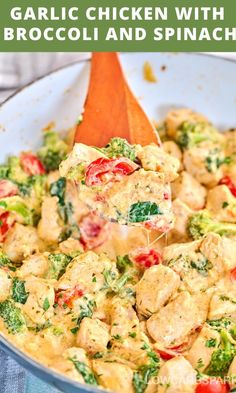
[16,173]
[222,357]
[12,317]
[17,205]
[219,324]
[58,264]
[191,134]
[6,262]
[77,173]
[201,223]
[53,151]
[118,147]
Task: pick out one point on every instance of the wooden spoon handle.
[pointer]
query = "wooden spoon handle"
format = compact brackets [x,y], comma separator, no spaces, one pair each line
[111,110]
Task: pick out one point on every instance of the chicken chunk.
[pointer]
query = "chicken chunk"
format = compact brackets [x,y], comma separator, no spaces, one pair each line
[170,147]
[66,366]
[131,349]
[39,304]
[114,376]
[199,265]
[5,285]
[123,318]
[36,265]
[189,191]
[176,117]
[69,245]
[151,294]
[116,199]
[80,153]
[222,204]
[50,226]
[177,376]
[223,304]
[93,335]
[174,322]
[153,158]
[203,347]
[201,163]
[182,212]
[21,242]
[229,252]
[83,269]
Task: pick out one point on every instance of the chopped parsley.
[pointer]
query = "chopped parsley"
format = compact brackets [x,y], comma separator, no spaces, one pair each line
[224,205]
[12,316]
[46,304]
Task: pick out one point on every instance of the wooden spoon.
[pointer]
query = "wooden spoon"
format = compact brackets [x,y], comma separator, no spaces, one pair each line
[111,110]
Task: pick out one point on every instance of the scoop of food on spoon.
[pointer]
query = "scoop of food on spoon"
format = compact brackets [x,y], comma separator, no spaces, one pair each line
[117,160]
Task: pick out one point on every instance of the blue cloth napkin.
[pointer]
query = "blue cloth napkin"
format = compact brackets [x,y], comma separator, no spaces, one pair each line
[12,376]
[14,379]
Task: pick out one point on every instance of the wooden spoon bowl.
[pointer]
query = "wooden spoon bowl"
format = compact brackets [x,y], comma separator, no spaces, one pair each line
[111,110]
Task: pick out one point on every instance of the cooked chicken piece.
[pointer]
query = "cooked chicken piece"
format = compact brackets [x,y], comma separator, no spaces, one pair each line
[52,177]
[21,241]
[177,376]
[153,158]
[223,303]
[189,191]
[50,226]
[36,265]
[201,163]
[79,208]
[39,304]
[115,200]
[232,373]
[123,318]
[66,365]
[114,376]
[229,252]
[176,117]
[203,347]
[70,245]
[83,269]
[175,250]
[5,285]
[182,212]
[170,147]
[131,349]
[151,294]
[230,170]
[174,322]
[93,335]
[200,268]
[80,153]
[222,204]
